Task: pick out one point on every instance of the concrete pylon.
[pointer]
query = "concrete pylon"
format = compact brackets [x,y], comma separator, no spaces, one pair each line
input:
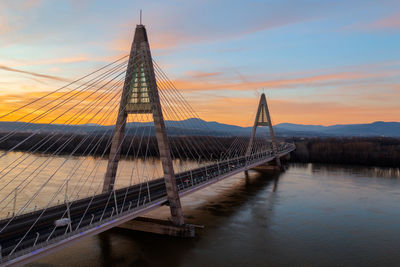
[263,118]
[140,96]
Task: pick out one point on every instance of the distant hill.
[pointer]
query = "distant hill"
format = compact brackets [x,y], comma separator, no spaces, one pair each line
[379,128]
[200,127]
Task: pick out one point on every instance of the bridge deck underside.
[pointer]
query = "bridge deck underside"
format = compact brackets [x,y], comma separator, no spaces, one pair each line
[96,214]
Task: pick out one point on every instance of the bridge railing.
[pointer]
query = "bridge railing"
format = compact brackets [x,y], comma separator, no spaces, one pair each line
[77,232]
[185,181]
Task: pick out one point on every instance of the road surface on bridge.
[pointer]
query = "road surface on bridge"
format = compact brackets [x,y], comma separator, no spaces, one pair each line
[38,227]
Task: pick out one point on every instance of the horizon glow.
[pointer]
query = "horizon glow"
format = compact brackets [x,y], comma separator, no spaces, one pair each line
[323,63]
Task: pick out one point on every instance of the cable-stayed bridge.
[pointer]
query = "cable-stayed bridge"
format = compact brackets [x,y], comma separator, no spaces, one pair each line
[65,186]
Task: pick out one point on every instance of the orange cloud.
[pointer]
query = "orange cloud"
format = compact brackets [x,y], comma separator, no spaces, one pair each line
[241,111]
[229,110]
[56,61]
[67,106]
[202,74]
[329,113]
[356,99]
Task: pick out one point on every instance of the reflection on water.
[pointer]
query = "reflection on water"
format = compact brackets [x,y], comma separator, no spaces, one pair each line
[359,171]
[40,180]
[309,215]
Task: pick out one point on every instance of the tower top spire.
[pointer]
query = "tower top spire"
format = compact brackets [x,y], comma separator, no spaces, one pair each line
[140,17]
[140,34]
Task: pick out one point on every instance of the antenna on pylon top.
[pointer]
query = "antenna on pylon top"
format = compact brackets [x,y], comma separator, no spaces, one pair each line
[140,17]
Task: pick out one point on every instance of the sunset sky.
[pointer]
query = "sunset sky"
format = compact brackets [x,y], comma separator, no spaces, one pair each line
[319,62]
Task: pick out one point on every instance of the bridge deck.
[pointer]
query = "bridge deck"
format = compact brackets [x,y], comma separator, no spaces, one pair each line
[93,215]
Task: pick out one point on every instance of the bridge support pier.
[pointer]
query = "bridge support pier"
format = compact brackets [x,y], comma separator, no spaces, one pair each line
[286,157]
[272,166]
[268,168]
[161,227]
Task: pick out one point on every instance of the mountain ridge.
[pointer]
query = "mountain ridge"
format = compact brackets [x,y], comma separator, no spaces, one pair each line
[198,127]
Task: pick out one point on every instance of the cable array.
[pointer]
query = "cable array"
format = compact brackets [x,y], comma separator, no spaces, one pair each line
[54,159]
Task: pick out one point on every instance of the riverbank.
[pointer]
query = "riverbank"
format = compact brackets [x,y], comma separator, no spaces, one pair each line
[365,151]
[371,151]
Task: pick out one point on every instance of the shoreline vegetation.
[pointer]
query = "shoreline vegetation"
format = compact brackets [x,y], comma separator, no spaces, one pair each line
[365,151]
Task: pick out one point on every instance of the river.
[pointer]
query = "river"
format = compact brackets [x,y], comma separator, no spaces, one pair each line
[320,215]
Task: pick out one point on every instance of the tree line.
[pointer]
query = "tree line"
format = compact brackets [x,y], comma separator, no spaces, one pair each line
[190,147]
[370,151]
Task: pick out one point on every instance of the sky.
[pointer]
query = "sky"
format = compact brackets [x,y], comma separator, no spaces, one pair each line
[318,62]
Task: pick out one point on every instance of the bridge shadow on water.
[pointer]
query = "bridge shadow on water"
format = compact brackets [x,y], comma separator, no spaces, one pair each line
[219,204]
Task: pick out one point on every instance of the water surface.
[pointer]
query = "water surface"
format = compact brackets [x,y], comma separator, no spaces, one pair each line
[320,215]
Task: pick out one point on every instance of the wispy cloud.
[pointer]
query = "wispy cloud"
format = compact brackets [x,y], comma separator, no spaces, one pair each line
[183,24]
[29,4]
[202,74]
[388,22]
[193,84]
[5,68]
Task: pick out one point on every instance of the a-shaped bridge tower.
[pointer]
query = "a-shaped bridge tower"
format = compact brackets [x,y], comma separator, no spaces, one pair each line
[139,96]
[263,118]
